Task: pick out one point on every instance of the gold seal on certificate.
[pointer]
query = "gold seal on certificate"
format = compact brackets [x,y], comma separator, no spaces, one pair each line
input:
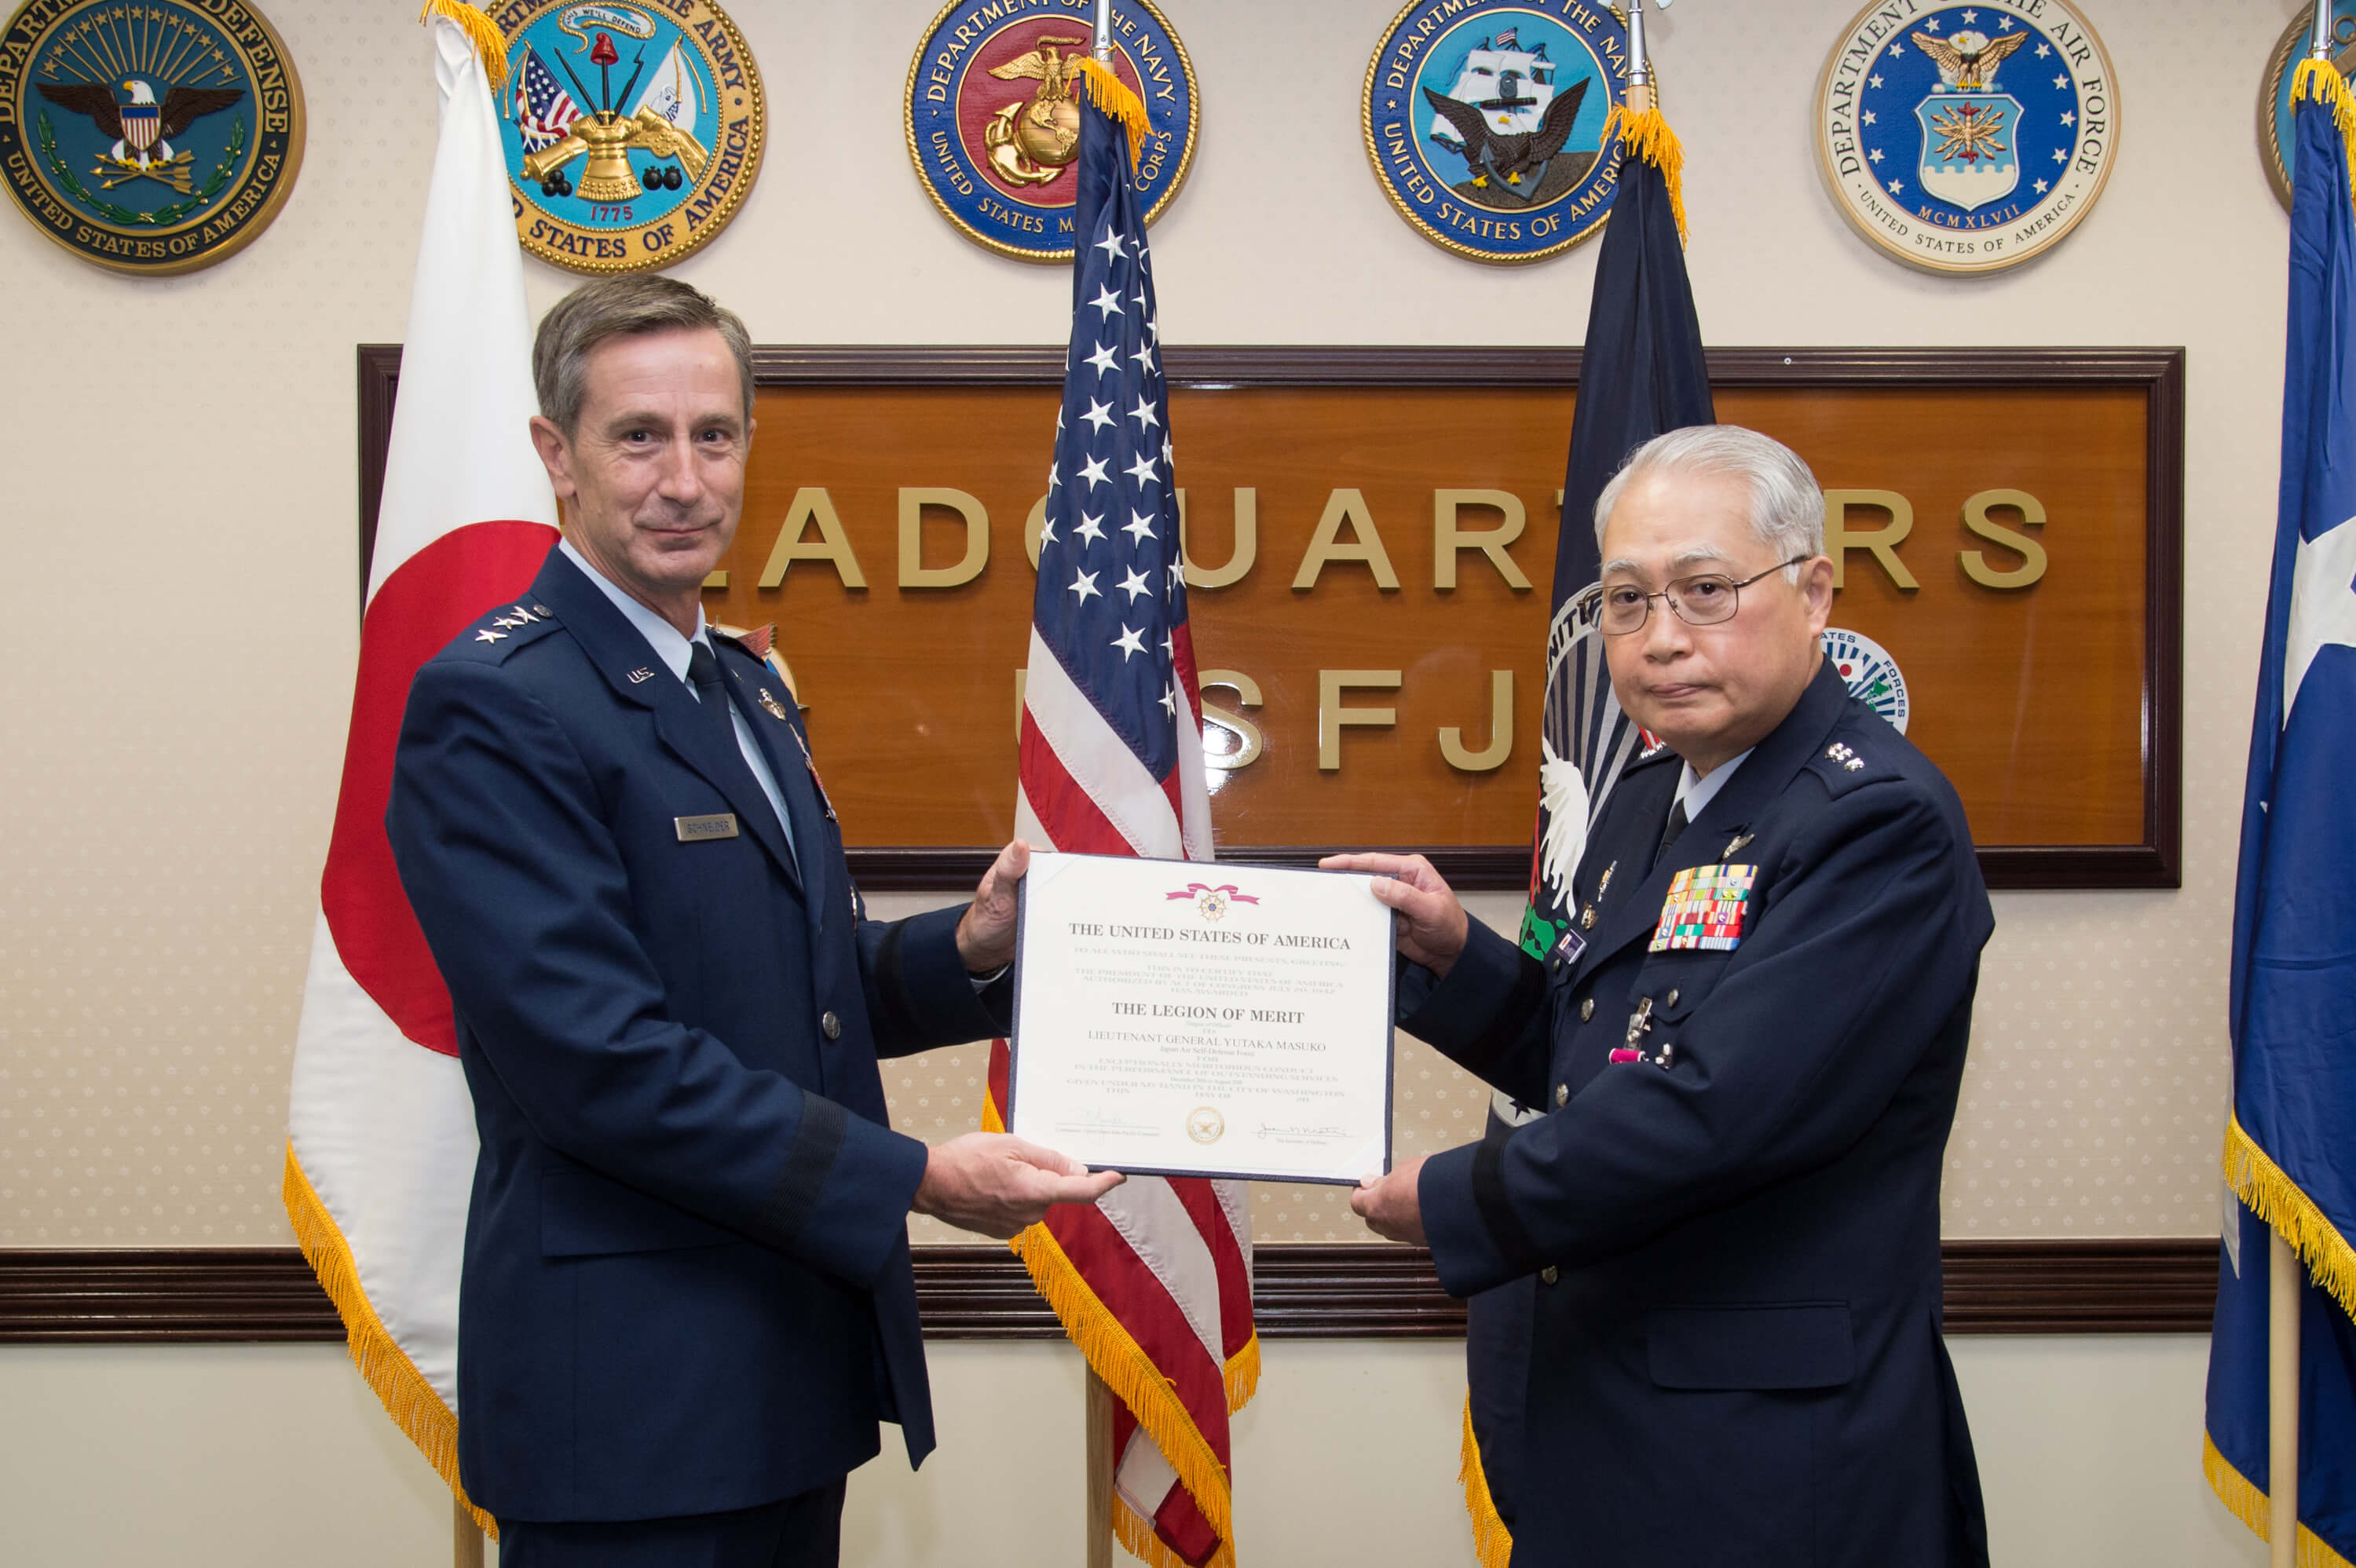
[1173,1018]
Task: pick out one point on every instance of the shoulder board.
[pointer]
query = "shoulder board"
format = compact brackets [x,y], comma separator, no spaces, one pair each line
[498,633]
[1849,758]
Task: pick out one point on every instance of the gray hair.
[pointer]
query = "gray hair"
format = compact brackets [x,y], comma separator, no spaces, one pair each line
[1787,508]
[626,306]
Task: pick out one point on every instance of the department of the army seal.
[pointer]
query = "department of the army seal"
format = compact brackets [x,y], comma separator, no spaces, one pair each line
[632,131]
[152,138]
[1966,138]
[1872,674]
[2275,135]
[1484,122]
[994,120]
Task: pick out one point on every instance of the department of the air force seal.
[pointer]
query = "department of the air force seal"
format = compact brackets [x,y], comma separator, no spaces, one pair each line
[632,131]
[994,120]
[1872,674]
[1484,122]
[2275,132]
[151,138]
[1966,138]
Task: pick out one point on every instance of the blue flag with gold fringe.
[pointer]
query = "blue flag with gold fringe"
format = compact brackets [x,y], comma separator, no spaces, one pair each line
[2290,1148]
[1643,373]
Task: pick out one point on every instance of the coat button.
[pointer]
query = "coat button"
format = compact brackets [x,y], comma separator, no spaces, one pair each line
[1549,1274]
[831,1025]
[1671,1000]
[1562,1093]
[1587,1010]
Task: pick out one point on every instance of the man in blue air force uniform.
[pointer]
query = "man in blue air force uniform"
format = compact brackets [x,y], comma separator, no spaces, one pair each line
[687,1298]
[1749,1045]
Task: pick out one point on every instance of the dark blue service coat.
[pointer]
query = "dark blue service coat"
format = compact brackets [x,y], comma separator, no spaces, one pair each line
[686,1284]
[1737,1353]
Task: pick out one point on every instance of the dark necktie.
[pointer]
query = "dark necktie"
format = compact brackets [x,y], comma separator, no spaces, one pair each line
[704,673]
[1669,834]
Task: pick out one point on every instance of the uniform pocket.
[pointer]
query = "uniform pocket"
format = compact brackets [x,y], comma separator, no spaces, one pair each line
[1796,1344]
[582,1215]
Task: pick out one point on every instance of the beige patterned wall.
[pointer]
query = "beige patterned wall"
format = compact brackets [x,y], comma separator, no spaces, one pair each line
[177,596]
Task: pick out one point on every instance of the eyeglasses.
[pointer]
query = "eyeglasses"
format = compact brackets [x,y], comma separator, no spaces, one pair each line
[1702,601]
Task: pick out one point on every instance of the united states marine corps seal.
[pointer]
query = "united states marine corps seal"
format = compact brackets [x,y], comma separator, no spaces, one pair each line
[152,138]
[1966,138]
[632,131]
[992,115]
[1484,122]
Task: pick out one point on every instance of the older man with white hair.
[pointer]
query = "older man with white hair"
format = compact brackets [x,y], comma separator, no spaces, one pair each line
[1749,1043]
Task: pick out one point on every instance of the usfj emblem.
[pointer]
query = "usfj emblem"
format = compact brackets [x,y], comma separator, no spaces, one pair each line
[1967,138]
[992,117]
[632,132]
[1872,674]
[1484,122]
[2275,132]
[152,138]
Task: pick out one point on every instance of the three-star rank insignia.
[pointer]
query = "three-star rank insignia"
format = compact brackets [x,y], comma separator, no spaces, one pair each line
[632,132]
[150,139]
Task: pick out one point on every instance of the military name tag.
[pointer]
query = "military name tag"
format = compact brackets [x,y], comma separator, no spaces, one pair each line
[1704,909]
[695,829]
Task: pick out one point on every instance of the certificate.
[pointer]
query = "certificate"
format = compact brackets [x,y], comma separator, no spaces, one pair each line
[1177,1017]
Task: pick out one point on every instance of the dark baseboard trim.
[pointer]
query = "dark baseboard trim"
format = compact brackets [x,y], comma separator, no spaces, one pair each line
[266,1295]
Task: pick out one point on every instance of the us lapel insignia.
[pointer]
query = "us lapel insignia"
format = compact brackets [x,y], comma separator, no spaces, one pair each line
[640,677]
[1704,909]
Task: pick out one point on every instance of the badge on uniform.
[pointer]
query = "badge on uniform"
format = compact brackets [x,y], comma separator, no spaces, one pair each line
[1567,951]
[1704,909]
[816,783]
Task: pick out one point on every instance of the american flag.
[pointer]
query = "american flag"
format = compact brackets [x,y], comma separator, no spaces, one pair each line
[1154,1280]
[543,110]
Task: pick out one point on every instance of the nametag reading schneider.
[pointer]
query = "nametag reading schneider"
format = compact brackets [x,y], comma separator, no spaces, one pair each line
[696,829]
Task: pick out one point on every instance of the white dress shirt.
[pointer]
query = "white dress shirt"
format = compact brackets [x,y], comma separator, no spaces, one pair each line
[675,651]
[1695,791]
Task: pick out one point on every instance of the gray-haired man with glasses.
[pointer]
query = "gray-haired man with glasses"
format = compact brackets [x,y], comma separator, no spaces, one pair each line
[1749,1043]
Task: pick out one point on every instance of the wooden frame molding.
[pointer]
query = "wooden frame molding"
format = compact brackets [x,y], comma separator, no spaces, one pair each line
[1354,1291]
[2153,861]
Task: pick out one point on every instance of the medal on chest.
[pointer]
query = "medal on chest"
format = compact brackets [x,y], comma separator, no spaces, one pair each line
[1704,909]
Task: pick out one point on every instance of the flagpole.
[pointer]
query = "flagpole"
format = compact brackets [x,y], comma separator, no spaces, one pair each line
[1097,1399]
[1640,58]
[466,1537]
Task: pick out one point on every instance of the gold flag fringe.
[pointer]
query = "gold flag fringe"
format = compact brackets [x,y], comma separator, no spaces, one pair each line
[2248,1504]
[2322,80]
[1493,1542]
[2274,1198]
[1116,1356]
[490,45]
[407,1397]
[1648,136]
[1109,93]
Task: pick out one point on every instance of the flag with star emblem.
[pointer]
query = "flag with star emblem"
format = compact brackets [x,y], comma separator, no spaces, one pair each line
[1644,372]
[1153,1282]
[544,111]
[381,1129]
[2293,994]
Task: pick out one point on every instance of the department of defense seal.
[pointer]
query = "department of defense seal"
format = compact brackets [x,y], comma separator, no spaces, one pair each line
[2275,134]
[632,131]
[992,115]
[1872,674]
[1966,138]
[1484,122]
[152,138]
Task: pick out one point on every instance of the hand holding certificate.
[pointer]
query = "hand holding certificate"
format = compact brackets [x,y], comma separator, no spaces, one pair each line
[1175,1018]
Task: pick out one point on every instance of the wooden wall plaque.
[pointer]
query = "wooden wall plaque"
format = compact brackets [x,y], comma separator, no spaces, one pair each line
[1372,534]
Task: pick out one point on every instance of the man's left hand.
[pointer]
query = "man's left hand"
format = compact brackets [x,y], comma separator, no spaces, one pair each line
[985,937]
[1389,1205]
